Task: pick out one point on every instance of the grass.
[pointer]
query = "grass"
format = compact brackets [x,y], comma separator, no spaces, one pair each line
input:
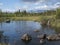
[58,26]
[55,25]
[28,18]
[4,44]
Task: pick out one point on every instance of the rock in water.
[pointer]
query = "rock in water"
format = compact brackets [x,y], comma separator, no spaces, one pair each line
[36,30]
[26,37]
[7,21]
[42,36]
[53,37]
[42,41]
[58,35]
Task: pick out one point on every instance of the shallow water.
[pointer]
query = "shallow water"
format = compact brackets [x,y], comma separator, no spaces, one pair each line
[15,29]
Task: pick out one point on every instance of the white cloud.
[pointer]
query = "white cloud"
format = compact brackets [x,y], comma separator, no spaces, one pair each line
[33,6]
[25,7]
[35,3]
[17,6]
[38,5]
[1,4]
[57,4]
[45,7]
[8,10]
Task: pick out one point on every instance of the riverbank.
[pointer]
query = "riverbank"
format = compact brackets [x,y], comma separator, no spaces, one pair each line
[28,18]
[54,23]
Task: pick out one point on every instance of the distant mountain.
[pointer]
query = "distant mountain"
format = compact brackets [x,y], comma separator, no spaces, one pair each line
[39,11]
[36,11]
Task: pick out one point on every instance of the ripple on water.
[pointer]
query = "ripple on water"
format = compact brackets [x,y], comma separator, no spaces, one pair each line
[15,29]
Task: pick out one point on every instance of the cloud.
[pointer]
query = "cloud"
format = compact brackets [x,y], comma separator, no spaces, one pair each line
[37,6]
[42,7]
[34,5]
[46,7]
[8,10]
[30,0]
[25,7]
[1,4]
[17,6]
[33,1]
[57,4]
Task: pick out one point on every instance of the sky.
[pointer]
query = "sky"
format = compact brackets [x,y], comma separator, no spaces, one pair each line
[14,5]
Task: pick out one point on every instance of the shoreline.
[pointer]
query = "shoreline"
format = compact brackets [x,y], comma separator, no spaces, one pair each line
[33,18]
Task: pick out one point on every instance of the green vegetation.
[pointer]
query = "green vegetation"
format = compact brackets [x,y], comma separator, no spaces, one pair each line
[18,15]
[53,15]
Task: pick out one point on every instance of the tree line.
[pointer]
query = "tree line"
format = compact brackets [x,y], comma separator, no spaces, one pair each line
[25,13]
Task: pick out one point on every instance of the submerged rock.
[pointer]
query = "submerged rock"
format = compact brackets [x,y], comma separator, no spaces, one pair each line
[8,21]
[26,37]
[53,37]
[1,31]
[36,30]
[58,34]
[42,41]
[42,36]
[1,34]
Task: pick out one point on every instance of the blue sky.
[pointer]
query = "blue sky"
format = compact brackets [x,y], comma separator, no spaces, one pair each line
[14,5]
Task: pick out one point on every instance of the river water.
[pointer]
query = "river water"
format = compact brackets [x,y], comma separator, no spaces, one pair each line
[15,29]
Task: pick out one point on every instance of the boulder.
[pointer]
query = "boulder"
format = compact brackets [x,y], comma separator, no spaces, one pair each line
[42,36]
[26,37]
[36,30]
[7,21]
[42,41]
[57,38]
[53,37]
[58,34]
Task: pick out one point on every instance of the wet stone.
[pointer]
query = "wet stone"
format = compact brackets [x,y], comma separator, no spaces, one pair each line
[43,36]
[26,37]
[36,30]
[53,37]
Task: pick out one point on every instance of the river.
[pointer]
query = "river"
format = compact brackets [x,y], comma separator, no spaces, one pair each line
[15,29]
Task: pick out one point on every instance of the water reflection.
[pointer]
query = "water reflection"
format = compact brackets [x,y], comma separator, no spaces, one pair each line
[15,29]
